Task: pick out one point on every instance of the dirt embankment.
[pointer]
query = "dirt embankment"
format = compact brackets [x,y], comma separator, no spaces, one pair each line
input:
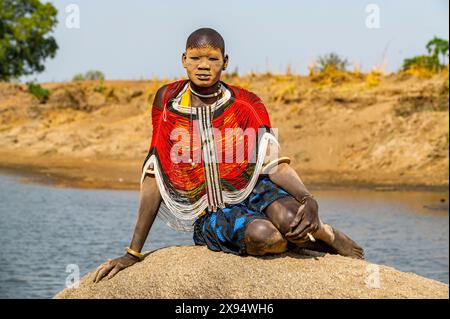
[352,132]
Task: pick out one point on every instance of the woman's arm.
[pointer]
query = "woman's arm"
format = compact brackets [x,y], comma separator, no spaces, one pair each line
[286,177]
[149,201]
[307,217]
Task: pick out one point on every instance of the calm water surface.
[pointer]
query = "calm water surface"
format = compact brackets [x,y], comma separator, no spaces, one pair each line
[43,229]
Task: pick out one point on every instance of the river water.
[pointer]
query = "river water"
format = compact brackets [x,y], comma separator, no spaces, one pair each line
[47,232]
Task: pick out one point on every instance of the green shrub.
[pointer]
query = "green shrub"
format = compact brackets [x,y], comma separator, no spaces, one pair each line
[78,77]
[331,60]
[38,91]
[420,61]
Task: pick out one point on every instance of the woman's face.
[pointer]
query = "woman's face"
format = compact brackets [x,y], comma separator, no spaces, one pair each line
[204,65]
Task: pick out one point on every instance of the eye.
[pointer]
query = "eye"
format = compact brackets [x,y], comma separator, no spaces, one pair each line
[194,58]
[213,59]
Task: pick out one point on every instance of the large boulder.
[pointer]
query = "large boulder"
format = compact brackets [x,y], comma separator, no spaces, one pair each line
[196,272]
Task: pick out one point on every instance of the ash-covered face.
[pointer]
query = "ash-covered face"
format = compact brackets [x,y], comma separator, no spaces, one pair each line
[204,65]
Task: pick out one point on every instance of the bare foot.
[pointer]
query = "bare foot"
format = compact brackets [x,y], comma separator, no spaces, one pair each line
[343,244]
[333,241]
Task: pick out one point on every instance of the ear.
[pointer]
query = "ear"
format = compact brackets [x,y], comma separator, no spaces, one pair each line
[225,61]
[183,59]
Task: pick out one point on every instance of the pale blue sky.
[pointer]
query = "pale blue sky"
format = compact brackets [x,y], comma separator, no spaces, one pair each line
[137,39]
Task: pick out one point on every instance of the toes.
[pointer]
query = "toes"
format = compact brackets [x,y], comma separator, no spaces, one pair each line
[356,253]
[359,254]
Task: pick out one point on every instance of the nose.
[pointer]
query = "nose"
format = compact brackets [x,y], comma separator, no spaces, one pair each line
[204,65]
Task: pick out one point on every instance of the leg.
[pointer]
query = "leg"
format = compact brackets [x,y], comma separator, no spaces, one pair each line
[262,237]
[282,211]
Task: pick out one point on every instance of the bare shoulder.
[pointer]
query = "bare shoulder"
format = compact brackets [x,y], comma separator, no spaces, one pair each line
[158,100]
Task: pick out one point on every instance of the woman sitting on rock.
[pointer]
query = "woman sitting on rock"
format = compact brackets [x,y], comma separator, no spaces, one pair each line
[213,168]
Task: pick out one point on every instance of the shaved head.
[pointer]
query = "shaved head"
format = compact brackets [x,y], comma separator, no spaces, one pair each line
[206,37]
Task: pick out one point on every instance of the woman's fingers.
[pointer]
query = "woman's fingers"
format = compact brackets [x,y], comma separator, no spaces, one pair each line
[104,271]
[298,216]
[98,270]
[304,232]
[112,267]
[116,269]
[294,234]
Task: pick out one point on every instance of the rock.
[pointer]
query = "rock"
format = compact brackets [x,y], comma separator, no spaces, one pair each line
[196,272]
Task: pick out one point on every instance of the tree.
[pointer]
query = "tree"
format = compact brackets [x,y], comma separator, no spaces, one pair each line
[91,75]
[25,43]
[435,47]
[438,47]
[94,75]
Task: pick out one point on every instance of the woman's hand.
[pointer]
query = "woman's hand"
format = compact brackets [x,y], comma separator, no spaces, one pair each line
[306,221]
[112,267]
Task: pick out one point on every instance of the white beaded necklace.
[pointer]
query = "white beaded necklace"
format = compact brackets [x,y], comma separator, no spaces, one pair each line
[205,96]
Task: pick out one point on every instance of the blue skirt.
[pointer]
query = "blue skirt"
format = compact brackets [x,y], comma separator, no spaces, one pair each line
[223,230]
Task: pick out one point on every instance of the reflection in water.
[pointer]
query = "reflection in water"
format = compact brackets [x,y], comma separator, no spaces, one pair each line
[44,229]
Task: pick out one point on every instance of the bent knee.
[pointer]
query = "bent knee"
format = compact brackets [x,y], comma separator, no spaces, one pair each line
[261,237]
[282,212]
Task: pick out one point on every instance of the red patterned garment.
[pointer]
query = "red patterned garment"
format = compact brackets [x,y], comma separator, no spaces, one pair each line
[206,157]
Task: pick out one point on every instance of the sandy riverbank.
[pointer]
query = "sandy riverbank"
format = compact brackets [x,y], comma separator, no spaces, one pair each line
[349,134]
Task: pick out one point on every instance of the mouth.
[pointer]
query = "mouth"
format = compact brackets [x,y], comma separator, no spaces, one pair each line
[203,77]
